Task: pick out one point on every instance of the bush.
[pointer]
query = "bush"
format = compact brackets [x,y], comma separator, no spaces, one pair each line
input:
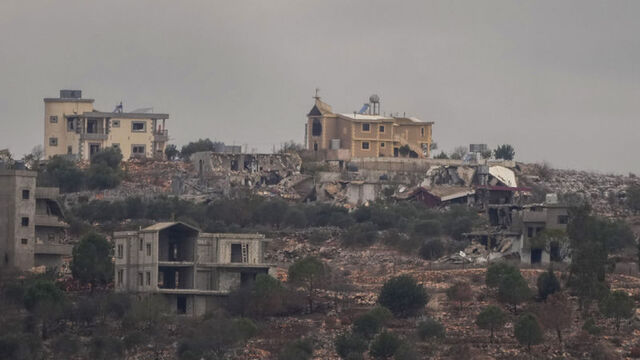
[528,330]
[349,344]
[171,152]
[384,345]
[432,249]
[64,174]
[496,271]
[104,171]
[505,152]
[405,352]
[591,327]
[491,318]
[370,323]
[430,329]
[513,290]
[297,350]
[460,291]
[547,284]
[106,347]
[428,228]
[403,296]
[361,234]
[617,305]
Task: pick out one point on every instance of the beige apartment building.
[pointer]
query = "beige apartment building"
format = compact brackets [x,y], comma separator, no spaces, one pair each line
[73,127]
[365,134]
[189,268]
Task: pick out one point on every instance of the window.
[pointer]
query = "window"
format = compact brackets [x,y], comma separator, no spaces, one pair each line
[69,149]
[316,128]
[139,126]
[24,241]
[53,119]
[141,243]
[563,219]
[92,126]
[116,146]
[365,127]
[236,253]
[120,251]
[422,131]
[51,237]
[315,146]
[148,278]
[137,150]
[25,221]
[115,123]
[148,249]
[71,124]
[53,141]
[530,232]
[381,144]
[120,276]
[381,128]
[140,279]
[25,194]
[365,145]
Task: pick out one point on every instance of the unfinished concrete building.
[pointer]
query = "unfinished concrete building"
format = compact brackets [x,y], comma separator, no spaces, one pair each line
[190,268]
[32,229]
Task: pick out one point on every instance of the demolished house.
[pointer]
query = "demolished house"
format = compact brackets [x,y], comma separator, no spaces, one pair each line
[232,174]
[191,269]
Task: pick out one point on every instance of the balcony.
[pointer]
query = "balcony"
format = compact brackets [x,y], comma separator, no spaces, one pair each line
[53,249]
[535,217]
[93,136]
[50,193]
[161,135]
[50,221]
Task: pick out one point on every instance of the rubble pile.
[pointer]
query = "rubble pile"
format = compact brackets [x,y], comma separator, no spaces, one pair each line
[605,192]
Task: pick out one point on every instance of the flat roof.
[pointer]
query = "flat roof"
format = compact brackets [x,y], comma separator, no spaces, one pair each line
[68,100]
[124,115]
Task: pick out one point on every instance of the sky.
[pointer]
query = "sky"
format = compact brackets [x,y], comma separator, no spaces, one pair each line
[559,80]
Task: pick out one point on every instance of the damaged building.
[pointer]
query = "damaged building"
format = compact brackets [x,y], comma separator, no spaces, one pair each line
[33,232]
[190,268]
[228,174]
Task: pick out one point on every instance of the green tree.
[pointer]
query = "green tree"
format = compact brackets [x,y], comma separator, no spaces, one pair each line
[528,331]
[371,322]
[350,345]
[459,152]
[196,146]
[513,290]
[442,155]
[361,234]
[384,345]
[46,301]
[617,305]
[64,173]
[404,150]
[403,296]
[460,291]
[105,171]
[171,152]
[430,329]
[311,273]
[432,249]
[505,152]
[496,271]
[492,319]
[548,284]
[633,197]
[91,262]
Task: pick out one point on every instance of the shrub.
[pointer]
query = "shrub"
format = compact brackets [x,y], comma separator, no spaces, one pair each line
[65,174]
[591,327]
[513,290]
[432,249]
[92,263]
[384,345]
[491,318]
[617,305]
[405,352]
[430,329]
[361,234]
[403,296]
[505,152]
[547,284]
[297,350]
[428,228]
[460,291]
[496,271]
[350,344]
[311,273]
[370,323]
[528,331]
[106,347]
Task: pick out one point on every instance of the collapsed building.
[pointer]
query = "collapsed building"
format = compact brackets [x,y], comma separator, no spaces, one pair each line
[33,232]
[191,269]
[232,174]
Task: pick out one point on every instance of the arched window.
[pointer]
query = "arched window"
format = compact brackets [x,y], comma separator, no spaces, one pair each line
[316,128]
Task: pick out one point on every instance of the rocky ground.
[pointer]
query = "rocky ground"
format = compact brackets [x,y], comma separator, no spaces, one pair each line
[368,269]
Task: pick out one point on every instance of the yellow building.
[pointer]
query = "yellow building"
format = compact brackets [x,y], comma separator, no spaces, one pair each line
[365,134]
[73,127]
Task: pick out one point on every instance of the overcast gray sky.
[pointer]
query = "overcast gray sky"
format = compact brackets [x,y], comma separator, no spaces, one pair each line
[557,79]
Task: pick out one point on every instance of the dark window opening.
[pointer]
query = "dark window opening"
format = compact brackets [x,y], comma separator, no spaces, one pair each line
[140,279]
[53,141]
[234,165]
[24,241]
[316,128]
[554,251]
[236,253]
[181,305]
[140,244]
[174,254]
[25,194]
[69,149]
[563,219]
[148,249]
[395,152]
[92,126]
[25,221]
[530,232]
[148,278]
[365,127]
[247,278]
[536,256]
[94,149]
[381,128]
[365,145]
[53,119]
[71,124]
[315,146]
[138,126]
[120,277]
